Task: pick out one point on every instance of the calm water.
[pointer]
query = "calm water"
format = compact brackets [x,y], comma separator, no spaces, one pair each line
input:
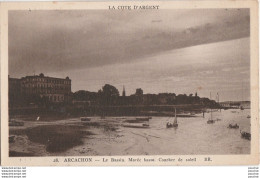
[195,136]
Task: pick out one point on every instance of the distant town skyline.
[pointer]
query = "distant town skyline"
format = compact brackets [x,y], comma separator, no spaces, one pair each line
[174,51]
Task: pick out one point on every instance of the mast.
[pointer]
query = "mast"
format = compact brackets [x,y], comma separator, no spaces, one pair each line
[242,90]
[210,114]
[210,108]
[175,119]
[241,106]
[218,100]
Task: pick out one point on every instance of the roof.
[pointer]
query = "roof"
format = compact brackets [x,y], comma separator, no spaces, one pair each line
[39,76]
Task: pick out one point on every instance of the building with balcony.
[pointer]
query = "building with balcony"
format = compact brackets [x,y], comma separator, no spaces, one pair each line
[53,89]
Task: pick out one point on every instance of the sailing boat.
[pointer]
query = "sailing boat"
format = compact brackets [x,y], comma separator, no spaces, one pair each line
[174,124]
[210,121]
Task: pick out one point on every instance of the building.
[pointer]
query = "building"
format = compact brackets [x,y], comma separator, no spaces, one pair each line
[14,90]
[14,86]
[245,104]
[53,89]
[225,104]
[236,104]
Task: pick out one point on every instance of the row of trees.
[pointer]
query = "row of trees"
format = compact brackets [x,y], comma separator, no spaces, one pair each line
[109,95]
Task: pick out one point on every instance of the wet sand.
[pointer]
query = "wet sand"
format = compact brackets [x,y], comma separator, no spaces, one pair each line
[72,137]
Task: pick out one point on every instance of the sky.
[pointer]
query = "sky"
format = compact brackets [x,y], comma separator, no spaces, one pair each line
[177,51]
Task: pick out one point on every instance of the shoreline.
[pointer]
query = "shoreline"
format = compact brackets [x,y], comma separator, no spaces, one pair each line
[109,137]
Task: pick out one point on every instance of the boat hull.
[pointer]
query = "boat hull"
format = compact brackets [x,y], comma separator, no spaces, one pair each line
[210,122]
[246,135]
[144,126]
[233,126]
[171,125]
[85,119]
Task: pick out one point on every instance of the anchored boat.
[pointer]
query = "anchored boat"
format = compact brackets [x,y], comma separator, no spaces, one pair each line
[233,126]
[85,119]
[210,120]
[218,119]
[245,135]
[174,124]
[143,118]
[136,125]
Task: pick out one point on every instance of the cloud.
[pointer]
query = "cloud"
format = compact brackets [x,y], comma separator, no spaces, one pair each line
[222,67]
[49,41]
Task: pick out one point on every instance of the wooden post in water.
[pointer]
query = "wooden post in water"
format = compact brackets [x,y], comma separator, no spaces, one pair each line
[203,114]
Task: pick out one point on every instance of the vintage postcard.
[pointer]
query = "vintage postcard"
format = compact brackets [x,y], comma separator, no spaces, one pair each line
[129,83]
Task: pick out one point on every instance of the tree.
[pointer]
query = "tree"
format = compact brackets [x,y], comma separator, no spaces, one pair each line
[139,92]
[110,91]
[109,95]
[83,95]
